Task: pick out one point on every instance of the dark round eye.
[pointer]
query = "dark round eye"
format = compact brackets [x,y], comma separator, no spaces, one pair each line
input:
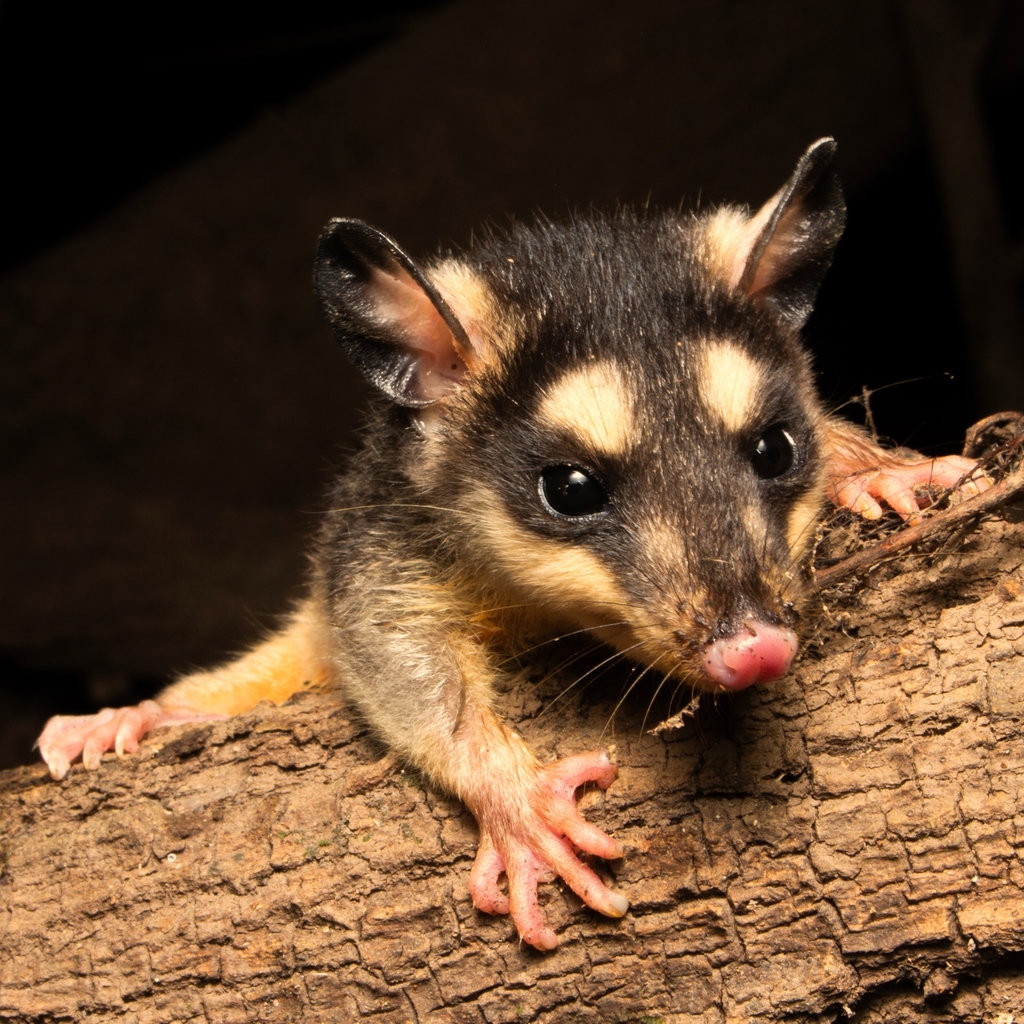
[568,491]
[775,453]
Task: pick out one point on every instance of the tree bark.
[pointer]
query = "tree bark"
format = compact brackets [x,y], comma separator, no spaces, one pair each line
[847,840]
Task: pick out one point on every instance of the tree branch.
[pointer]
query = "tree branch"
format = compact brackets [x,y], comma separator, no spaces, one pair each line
[847,837]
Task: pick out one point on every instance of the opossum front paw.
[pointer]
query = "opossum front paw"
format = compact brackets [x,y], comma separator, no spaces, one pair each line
[533,839]
[894,484]
[117,729]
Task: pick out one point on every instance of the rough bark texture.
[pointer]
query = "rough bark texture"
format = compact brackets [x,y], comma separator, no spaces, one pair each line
[844,843]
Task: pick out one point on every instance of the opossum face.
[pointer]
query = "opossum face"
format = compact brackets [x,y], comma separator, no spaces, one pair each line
[621,413]
[643,459]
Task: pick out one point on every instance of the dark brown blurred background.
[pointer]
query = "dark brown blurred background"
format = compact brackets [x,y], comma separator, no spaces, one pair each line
[171,402]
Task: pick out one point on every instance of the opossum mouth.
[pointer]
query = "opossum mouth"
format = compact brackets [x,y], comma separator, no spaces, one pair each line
[757,652]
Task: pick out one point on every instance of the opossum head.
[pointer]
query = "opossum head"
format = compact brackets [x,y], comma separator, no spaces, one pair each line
[619,413]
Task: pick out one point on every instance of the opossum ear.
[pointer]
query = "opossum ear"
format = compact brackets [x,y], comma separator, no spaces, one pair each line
[781,254]
[387,315]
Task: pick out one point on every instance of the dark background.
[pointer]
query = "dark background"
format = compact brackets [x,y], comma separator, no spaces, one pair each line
[171,404]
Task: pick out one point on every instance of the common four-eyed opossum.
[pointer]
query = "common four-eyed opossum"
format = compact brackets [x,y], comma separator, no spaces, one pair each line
[606,425]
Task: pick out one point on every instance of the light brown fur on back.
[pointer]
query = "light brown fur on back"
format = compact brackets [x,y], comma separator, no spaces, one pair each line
[294,659]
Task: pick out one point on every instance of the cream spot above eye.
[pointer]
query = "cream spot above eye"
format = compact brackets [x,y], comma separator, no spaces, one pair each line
[729,381]
[594,402]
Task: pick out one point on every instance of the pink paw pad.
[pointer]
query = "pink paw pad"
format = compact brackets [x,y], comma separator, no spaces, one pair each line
[895,485]
[540,841]
[117,729]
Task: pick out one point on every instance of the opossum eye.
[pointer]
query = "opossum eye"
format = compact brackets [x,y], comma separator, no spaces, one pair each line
[775,453]
[568,491]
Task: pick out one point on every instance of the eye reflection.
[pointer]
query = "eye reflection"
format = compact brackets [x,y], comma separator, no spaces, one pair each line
[570,492]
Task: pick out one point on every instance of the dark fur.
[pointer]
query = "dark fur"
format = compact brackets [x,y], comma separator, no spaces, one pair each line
[626,287]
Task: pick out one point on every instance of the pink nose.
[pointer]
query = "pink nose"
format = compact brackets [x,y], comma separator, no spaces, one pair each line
[755,653]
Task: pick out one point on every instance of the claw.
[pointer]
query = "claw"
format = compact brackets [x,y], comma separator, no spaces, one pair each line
[894,484]
[539,835]
[483,879]
[117,729]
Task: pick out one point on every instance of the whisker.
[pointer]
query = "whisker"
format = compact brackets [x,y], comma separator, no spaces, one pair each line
[562,636]
[614,656]
[638,569]
[864,398]
[400,504]
[629,690]
[560,667]
[593,671]
[650,703]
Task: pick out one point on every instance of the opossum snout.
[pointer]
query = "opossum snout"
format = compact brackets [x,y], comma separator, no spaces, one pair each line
[756,653]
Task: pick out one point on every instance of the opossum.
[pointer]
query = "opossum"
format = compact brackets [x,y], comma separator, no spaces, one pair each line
[608,425]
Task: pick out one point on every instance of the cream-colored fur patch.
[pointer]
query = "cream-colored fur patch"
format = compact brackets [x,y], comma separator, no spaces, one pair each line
[755,525]
[595,402]
[293,659]
[804,517]
[473,304]
[729,382]
[567,576]
[661,540]
[731,234]
[669,552]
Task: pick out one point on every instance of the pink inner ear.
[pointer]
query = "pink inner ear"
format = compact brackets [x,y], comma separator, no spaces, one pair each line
[743,244]
[776,259]
[403,305]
